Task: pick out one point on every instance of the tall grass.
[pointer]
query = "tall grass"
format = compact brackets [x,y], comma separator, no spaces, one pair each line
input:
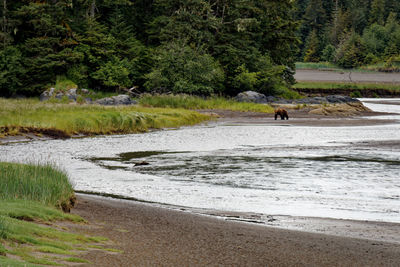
[30,193]
[30,115]
[42,184]
[194,102]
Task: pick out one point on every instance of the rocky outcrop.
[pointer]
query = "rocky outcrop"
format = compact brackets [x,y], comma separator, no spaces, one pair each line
[116,100]
[251,96]
[74,95]
[342,109]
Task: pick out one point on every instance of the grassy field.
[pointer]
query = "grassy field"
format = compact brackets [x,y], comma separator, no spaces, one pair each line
[32,194]
[194,102]
[378,67]
[64,120]
[339,85]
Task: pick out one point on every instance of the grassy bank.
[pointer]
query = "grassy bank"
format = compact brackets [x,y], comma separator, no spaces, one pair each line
[344,85]
[378,67]
[31,195]
[64,120]
[194,102]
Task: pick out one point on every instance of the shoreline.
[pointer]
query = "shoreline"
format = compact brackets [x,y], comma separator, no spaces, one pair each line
[151,235]
[298,117]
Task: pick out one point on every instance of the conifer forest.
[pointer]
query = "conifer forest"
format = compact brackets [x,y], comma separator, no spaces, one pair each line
[201,47]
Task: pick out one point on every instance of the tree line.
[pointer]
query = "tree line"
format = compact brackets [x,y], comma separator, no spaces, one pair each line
[349,33]
[199,47]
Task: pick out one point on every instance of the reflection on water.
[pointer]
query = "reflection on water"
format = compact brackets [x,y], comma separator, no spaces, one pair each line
[338,172]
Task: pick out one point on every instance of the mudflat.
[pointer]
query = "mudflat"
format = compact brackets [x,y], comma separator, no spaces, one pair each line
[156,236]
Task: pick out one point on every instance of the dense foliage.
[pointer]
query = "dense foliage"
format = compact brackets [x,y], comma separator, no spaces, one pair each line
[183,46]
[350,33]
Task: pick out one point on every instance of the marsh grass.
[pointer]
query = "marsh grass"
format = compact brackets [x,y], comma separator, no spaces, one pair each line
[194,103]
[64,120]
[31,195]
[41,183]
[339,85]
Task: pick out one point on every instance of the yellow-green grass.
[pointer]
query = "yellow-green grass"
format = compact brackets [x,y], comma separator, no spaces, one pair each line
[64,120]
[31,195]
[198,103]
[346,85]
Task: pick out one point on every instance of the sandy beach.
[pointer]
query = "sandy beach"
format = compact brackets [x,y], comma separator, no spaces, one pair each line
[155,236]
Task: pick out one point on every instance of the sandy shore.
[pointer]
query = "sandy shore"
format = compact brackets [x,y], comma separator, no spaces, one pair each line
[155,236]
[301,117]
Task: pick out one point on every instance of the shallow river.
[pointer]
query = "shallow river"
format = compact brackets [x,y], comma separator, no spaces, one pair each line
[333,172]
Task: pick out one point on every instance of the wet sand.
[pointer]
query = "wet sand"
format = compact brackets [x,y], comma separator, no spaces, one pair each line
[301,117]
[155,236]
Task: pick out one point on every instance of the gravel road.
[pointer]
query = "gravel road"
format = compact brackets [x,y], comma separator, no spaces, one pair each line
[336,76]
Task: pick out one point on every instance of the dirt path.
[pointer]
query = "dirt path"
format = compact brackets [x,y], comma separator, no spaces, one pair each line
[336,76]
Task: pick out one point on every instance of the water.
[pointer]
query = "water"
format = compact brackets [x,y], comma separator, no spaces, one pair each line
[332,172]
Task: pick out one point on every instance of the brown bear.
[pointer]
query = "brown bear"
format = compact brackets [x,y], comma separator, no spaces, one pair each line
[281,112]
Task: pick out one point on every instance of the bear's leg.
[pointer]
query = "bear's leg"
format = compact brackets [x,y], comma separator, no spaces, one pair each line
[276,116]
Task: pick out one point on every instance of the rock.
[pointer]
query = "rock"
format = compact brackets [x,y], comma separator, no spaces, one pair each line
[340,109]
[59,95]
[116,100]
[85,91]
[108,101]
[251,96]
[46,95]
[340,99]
[71,94]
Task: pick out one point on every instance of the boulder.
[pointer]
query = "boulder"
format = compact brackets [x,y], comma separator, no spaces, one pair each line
[85,91]
[71,94]
[340,99]
[251,96]
[59,95]
[46,95]
[116,100]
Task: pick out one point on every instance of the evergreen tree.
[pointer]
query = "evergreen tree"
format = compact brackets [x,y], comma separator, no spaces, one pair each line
[377,12]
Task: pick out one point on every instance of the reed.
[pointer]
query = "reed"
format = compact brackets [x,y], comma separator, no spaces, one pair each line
[195,102]
[28,194]
[40,183]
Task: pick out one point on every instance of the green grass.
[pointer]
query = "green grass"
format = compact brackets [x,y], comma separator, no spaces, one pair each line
[316,65]
[64,120]
[194,102]
[31,195]
[377,67]
[339,85]
[40,183]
